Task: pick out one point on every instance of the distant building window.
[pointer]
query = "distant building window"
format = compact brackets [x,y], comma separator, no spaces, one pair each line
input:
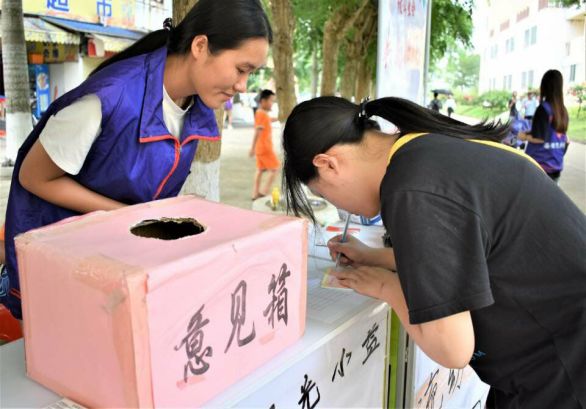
[572,72]
[494,51]
[567,49]
[530,79]
[523,14]
[524,79]
[504,25]
[530,36]
[543,4]
[510,45]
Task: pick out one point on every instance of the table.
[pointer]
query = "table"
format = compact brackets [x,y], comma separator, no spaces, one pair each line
[337,320]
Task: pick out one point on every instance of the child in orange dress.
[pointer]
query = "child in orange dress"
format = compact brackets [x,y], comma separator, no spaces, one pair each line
[262,145]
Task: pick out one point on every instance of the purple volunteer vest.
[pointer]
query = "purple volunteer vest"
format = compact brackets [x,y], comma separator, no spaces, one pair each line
[133,160]
[550,154]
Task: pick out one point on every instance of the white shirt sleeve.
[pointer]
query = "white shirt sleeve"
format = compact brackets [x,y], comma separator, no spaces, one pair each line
[68,135]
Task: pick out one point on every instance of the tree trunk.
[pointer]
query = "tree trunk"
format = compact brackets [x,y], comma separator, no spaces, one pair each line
[204,179]
[283,26]
[348,82]
[314,72]
[16,80]
[357,49]
[334,31]
[364,81]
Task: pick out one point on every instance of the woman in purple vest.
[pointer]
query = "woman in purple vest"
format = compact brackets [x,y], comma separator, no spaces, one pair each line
[547,142]
[129,133]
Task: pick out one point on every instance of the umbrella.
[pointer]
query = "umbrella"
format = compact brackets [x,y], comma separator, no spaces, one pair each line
[442,91]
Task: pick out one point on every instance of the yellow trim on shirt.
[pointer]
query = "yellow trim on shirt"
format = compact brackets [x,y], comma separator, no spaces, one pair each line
[409,137]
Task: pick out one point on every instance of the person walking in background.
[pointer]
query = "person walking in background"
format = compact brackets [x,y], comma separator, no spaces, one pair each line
[450,105]
[529,106]
[547,142]
[513,111]
[228,113]
[262,145]
[435,103]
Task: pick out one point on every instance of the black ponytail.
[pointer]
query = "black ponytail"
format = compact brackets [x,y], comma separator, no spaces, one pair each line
[226,23]
[410,117]
[316,125]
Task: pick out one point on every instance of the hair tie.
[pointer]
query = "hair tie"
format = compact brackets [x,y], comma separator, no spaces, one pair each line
[362,117]
[168,24]
[362,110]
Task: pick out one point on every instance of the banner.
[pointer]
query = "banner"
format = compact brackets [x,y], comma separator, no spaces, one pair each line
[118,13]
[401,49]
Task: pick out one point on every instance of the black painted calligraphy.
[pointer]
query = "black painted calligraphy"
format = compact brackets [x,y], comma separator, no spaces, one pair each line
[278,292]
[371,342]
[340,365]
[306,389]
[193,342]
[238,317]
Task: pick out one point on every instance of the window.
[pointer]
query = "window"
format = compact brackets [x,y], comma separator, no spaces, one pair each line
[524,79]
[572,72]
[530,36]
[530,79]
[510,45]
[568,49]
[494,51]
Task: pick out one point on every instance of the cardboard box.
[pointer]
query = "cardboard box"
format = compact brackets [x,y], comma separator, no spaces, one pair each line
[116,318]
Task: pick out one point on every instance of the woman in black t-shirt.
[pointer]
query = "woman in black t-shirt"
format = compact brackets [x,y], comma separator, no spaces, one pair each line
[485,269]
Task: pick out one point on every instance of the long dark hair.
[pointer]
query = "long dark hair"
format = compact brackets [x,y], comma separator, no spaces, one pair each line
[226,23]
[552,85]
[316,125]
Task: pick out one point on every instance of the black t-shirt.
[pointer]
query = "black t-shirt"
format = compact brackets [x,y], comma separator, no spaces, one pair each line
[540,124]
[476,228]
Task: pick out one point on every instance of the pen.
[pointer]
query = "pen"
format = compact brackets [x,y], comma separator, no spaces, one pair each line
[344,235]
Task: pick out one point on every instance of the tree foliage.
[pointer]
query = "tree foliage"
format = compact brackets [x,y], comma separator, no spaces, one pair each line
[451,25]
[463,69]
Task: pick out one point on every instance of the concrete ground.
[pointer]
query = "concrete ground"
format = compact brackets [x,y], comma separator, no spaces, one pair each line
[237,169]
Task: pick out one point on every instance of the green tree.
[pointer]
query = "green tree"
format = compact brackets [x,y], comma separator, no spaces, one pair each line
[464,70]
[451,25]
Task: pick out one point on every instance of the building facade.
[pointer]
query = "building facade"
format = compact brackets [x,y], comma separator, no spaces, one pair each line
[67,39]
[525,38]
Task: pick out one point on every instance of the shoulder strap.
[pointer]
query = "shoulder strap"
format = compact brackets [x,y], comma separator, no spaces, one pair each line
[409,137]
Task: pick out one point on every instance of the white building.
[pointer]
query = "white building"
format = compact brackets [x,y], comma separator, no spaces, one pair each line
[523,39]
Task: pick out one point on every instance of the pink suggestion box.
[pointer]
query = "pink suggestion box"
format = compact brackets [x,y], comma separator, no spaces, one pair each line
[163,304]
